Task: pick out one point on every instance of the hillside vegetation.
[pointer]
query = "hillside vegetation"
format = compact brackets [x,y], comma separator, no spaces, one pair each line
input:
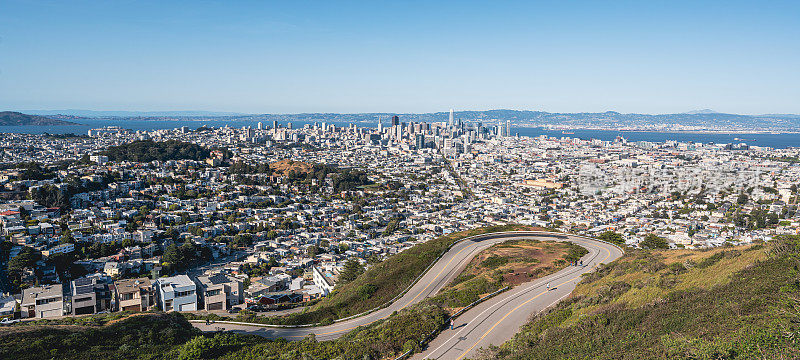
[122,336]
[148,150]
[507,264]
[146,336]
[380,284]
[13,118]
[725,303]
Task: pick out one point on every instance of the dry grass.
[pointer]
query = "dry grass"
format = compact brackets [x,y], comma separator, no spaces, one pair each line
[649,287]
[286,165]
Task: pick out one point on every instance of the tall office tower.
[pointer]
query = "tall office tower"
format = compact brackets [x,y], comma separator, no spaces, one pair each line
[508,128]
[380,125]
[420,141]
[289,125]
[274,124]
[260,125]
[395,120]
[452,118]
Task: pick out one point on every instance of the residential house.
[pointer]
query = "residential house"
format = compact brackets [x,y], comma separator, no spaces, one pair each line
[89,296]
[177,293]
[43,301]
[8,305]
[220,292]
[134,294]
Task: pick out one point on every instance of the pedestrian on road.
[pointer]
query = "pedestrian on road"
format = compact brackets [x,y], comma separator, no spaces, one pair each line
[548,286]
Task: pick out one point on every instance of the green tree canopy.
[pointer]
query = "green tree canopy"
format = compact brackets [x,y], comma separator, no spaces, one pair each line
[612,237]
[27,258]
[652,241]
[352,269]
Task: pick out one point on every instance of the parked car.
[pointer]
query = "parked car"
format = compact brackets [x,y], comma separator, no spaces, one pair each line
[256,308]
[8,321]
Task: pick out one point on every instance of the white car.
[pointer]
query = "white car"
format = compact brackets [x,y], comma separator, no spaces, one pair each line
[8,321]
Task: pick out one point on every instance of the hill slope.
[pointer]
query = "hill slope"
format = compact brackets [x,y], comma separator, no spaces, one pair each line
[731,303]
[11,118]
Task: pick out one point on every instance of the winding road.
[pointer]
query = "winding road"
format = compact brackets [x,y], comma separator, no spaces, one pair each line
[492,322]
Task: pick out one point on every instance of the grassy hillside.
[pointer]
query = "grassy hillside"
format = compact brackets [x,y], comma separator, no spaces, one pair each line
[170,336]
[139,337]
[507,264]
[727,303]
[381,283]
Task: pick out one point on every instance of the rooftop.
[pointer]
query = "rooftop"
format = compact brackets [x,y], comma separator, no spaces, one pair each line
[131,285]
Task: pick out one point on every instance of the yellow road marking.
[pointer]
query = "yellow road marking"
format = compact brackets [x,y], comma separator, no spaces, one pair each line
[519,306]
[404,306]
[423,290]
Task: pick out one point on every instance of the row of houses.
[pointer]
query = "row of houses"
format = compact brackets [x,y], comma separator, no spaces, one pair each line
[95,294]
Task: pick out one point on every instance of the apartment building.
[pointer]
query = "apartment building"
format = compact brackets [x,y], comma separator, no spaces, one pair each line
[324,279]
[177,293]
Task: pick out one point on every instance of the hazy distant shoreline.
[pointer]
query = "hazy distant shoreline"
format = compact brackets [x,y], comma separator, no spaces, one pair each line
[720,132]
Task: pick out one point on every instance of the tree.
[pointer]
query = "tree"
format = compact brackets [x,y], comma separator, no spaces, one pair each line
[652,241]
[26,258]
[612,237]
[742,199]
[172,256]
[242,240]
[312,251]
[66,238]
[352,269]
[392,226]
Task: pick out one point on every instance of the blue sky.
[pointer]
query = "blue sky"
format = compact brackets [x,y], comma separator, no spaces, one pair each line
[403,56]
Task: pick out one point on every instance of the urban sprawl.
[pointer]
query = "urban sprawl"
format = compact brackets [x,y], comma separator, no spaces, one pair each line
[273,217]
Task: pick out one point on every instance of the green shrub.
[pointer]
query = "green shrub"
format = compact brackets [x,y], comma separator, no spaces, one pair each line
[494,261]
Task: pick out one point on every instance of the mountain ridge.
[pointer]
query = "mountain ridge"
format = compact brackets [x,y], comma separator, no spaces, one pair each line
[13,118]
[698,120]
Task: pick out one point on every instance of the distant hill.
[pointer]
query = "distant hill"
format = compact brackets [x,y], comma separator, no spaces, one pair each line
[124,113]
[12,118]
[697,120]
[702,111]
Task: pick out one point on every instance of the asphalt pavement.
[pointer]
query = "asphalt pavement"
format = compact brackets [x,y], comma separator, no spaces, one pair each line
[498,319]
[512,308]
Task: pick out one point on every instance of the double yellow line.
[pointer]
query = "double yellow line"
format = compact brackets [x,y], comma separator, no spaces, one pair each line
[519,306]
[404,306]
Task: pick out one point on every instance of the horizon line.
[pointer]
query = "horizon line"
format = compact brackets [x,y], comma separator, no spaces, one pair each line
[222,113]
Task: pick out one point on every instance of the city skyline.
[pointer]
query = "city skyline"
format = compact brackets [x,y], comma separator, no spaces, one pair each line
[363,57]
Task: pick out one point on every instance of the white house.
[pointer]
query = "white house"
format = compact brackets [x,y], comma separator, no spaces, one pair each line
[178,293]
[325,280]
[59,249]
